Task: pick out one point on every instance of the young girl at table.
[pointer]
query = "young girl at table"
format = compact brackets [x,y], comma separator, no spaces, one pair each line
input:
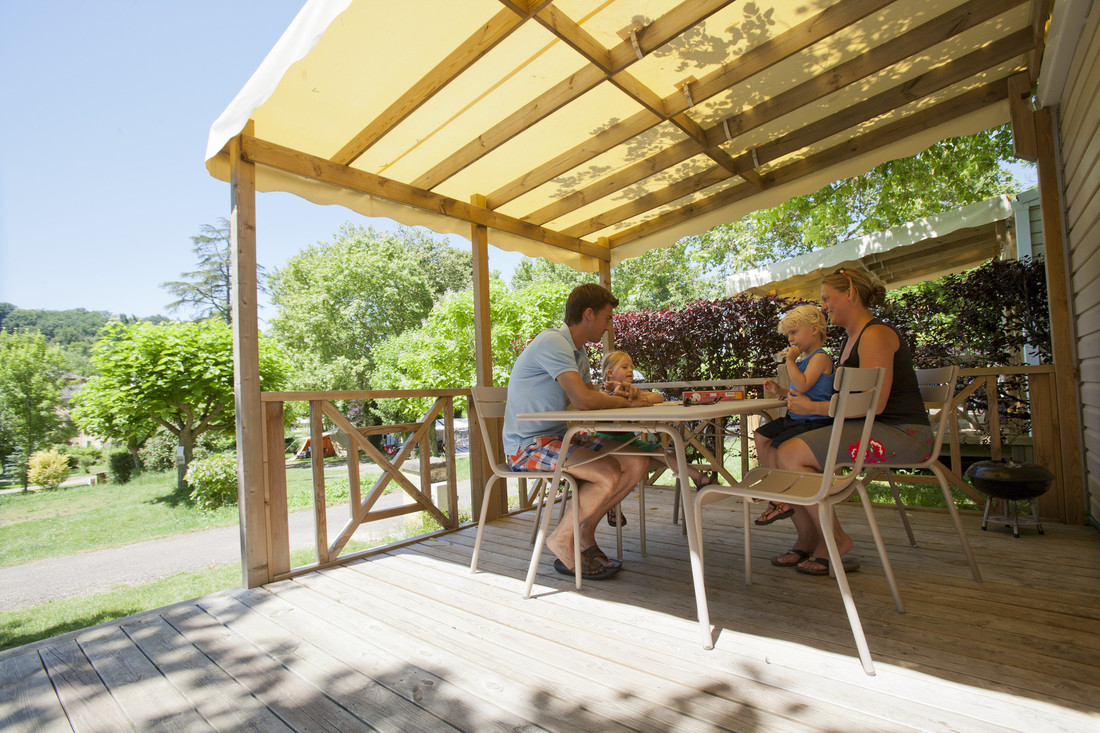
[618,374]
[811,373]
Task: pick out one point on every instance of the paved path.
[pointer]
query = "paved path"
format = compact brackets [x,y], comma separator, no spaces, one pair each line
[37,582]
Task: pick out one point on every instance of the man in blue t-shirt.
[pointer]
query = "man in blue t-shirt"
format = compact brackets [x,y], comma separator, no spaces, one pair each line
[551,373]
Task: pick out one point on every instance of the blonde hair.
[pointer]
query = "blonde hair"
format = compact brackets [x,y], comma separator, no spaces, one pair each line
[870,293]
[614,359]
[803,315]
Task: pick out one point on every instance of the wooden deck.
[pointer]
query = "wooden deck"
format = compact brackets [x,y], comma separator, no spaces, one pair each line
[410,641]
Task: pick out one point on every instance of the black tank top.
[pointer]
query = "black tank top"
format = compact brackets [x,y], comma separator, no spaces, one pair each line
[905,406]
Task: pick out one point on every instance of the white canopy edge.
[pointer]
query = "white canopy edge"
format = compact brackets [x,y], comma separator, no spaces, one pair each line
[297,40]
[828,259]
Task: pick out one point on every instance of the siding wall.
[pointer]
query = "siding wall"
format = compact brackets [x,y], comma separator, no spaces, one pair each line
[1079,128]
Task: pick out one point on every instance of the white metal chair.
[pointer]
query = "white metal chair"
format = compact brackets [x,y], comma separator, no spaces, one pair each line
[937,388]
[490,403]
[857,392]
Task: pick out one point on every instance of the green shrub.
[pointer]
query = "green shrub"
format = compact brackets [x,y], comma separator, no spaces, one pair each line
[122,465]
[159,452]
[81,457]
[213,481]
[47,468]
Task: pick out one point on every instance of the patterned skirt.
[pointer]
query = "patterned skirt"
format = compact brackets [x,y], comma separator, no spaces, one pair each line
[889,443]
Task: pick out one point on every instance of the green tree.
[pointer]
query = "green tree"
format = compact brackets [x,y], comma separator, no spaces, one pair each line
[441,354]
[178,376]
[663,278]
[448,269]
[207,291]
[945,176]
[337,300]
[31,380]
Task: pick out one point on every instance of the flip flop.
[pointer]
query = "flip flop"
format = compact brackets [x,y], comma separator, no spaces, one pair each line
[772,514]
[802,556]
[850,565]
[589,562]
[707,480]
[611,517]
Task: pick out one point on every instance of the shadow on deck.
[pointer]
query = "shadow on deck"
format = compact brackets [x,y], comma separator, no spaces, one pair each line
[410,641]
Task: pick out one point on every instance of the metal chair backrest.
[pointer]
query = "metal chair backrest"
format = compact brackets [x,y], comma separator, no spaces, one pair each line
[856,397]
[489,403]
[937,389]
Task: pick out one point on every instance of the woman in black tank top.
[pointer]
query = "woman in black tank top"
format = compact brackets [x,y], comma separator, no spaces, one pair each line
[901,432]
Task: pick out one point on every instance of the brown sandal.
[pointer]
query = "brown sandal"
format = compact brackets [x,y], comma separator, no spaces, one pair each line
[802,556]
[774,513]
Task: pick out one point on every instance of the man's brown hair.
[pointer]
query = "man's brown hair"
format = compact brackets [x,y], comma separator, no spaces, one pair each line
[583,297]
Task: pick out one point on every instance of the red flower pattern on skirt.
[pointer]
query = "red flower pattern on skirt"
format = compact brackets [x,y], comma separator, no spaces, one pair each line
[875,451]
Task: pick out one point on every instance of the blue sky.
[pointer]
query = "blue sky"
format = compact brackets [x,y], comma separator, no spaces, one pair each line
[106,110]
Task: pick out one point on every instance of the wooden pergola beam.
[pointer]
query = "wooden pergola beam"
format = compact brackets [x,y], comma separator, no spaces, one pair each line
[462,58]
[882,103]
[937,30]
[753,61]
[879,137]
[262,152]
[572,87]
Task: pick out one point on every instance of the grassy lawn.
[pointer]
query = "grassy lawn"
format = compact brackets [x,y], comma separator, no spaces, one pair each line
[26,625]
[43,524]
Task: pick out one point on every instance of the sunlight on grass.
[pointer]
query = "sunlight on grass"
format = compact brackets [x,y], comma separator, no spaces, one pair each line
[59,522]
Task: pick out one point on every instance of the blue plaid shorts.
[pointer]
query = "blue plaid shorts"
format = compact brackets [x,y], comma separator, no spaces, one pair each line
[543,453]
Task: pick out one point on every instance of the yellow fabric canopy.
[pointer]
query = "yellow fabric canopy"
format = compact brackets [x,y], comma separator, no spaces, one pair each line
[587,130]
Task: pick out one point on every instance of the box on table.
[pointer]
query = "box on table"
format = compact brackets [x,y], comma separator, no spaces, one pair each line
[706,395]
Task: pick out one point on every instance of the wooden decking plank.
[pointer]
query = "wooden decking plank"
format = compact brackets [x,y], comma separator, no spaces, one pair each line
[28,701]
[633,640]
[147,698]
[87,701]
[834,675]
[517,693]
[370,701]
[613,659]
[302,706]
[218,697]
[435,693]
[574,675]
[903,655]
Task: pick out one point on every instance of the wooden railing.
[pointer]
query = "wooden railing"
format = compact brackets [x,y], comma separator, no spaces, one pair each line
[361,504]
[1044,439]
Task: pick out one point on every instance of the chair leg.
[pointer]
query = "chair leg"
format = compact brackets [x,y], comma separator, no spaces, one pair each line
[887,568]
[481,523]
[825,516]
[697,565]
[745,504]
[675,502]
[619,529]
[540,542]
[536,497]
[901,508]
[641,514]
[958,524]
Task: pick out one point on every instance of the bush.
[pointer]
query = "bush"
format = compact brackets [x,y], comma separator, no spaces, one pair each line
[81,457]
[122,465]
[213,481]
[47,468]
[159,452]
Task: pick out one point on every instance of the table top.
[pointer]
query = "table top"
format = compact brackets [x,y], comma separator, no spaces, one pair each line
[661,412]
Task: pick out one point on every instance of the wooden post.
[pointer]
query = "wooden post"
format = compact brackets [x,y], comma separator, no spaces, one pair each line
[255,569]
[605,280]
[480,469]
[1067,421]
